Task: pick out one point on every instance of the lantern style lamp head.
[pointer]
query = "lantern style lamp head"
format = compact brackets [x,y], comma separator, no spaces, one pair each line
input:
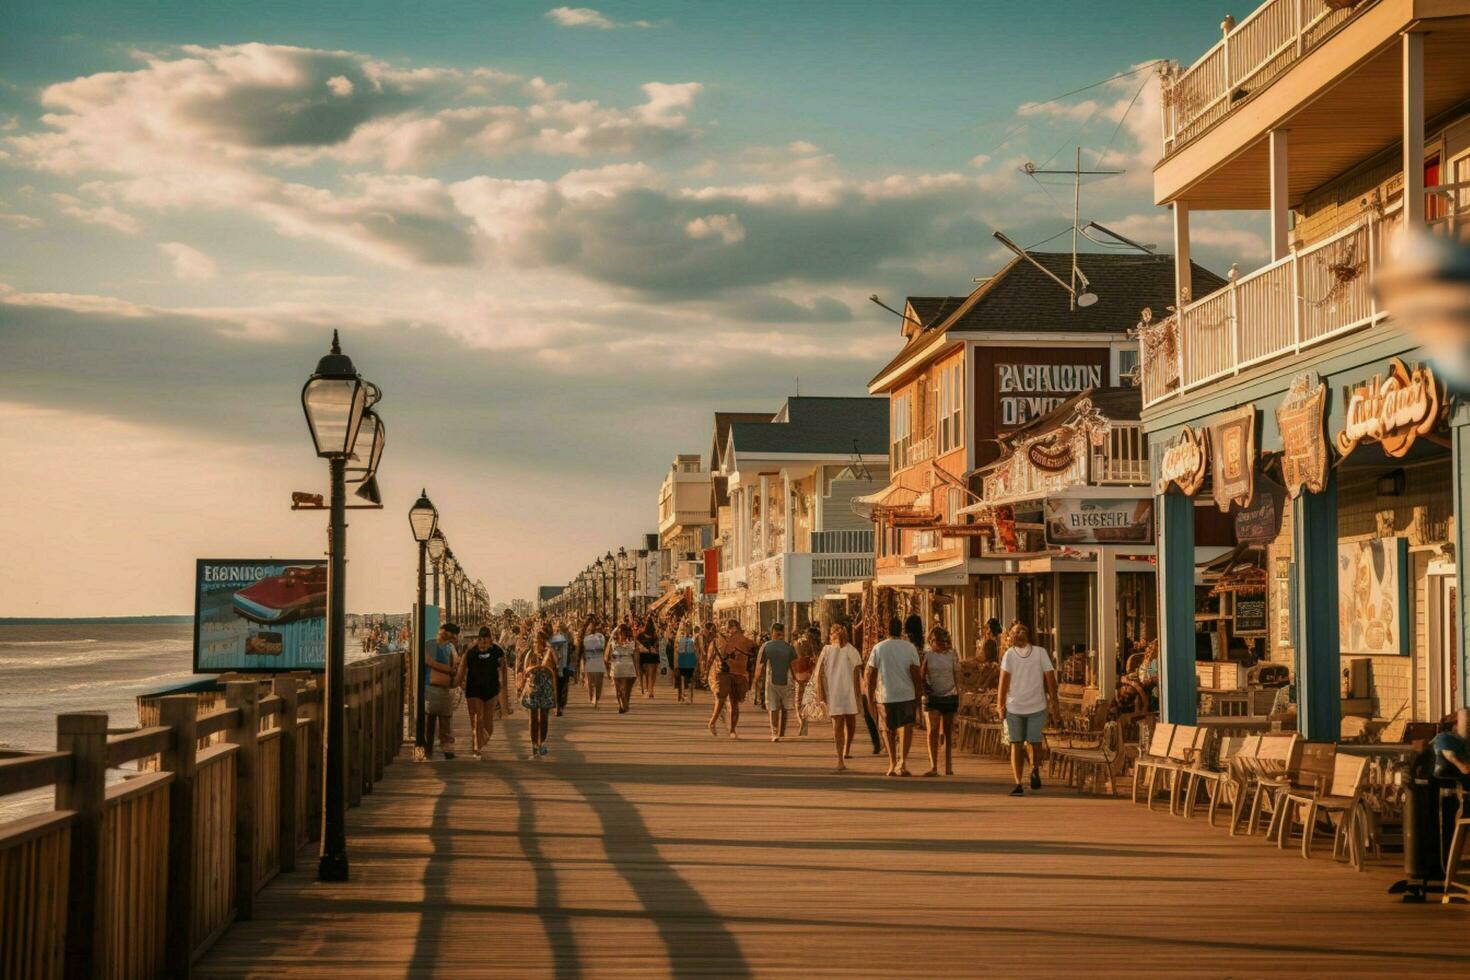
[423,517]
[437,544]
[334,399]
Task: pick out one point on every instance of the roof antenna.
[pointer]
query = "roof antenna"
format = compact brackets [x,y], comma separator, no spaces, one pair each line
[1084,299]
[1076,173]
[798,386]
[1148,249]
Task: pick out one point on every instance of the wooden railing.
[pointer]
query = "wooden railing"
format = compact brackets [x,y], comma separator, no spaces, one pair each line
[1245,60]
[1311,295]
[138,878]
[1122,460]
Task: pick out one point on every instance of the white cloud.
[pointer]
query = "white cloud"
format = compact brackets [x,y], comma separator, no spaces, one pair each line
[587,17]
[96,214]
[189,262]
[340,85]
[20,222]
[726,227]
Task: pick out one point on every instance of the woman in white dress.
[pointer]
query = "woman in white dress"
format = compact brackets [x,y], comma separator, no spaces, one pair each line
[838,673]
[622,663]
[594,669]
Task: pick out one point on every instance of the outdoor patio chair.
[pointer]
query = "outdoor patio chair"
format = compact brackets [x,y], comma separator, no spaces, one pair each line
[1276,755]
[1311,774]
[1217,775]
[1340,802]
[1102,762]
[1156,754]
[1454,888]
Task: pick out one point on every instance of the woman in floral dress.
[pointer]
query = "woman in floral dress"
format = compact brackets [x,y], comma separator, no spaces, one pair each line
[538,692]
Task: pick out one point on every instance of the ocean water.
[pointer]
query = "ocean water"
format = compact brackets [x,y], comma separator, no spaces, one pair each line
[50,669]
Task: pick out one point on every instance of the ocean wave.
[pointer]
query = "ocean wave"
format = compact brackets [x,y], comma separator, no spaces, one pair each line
[44,643]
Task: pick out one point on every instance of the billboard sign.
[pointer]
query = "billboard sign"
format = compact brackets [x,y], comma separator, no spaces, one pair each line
[259,614]
[1090,521]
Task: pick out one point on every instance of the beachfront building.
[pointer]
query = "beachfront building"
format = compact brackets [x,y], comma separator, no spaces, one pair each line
[552,600]
[1290,402]
[1069,516]
[972,370]
[722,535]
[788,534]
[686,525]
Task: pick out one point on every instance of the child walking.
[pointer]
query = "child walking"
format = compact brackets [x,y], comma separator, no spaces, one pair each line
[538,693]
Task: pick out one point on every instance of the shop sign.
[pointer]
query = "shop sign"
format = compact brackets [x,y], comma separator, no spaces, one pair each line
[1185,462]
[1303,441]
[1029,391]
[1260,521]
[1233,462]
[259,614]
[1249,616]
[1071,521]
[1392,411]
[1050,457]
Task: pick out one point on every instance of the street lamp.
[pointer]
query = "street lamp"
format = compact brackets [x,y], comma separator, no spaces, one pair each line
[449,568]
[423,519]
[335,400]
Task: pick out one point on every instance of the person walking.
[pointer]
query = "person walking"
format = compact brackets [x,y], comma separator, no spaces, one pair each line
[622,663]
[647,642]
[440,659]
[893,681]
[808,648]
[594,667]
[686,659]
[941,698]
[482,674]
[561,648]
[729,674]
[1028,686]
[838,678]
[869,711]
[773,665]
[538,692]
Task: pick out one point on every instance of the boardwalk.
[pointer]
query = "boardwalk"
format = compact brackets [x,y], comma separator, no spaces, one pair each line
[644,847]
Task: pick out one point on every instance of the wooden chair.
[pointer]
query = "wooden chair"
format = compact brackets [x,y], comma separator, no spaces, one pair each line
[1276,755]
[1216,774]
[1340,801]
[1453,887]
[1311,774]
[1102,763]
[1157,754]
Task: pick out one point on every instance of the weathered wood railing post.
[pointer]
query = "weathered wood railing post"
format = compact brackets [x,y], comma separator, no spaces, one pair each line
[84,735]
[181,713]
[244,695]
[285,689]
[353,770]
[380,714]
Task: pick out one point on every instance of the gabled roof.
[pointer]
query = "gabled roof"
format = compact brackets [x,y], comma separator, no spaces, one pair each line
[1020,298]
[723,421]
[929,311]
[834,426]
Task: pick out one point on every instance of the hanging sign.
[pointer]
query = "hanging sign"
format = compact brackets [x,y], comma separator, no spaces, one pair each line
[1185,462]
[1050,457]
[1005,528]
[1233,462]
[1249,615]
[1099,521]
[1260,521]
[1303,441]
[1392,411]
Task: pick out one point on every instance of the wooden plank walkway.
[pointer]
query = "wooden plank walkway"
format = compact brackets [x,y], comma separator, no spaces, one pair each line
[644,847]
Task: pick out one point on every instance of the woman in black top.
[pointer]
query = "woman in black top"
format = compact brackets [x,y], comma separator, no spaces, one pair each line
[482,672]
[647,657]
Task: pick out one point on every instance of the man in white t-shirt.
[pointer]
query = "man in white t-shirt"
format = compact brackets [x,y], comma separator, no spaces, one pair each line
[892,681]
[1028,686]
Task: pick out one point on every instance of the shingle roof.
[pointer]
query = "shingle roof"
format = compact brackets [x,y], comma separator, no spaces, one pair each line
[930,310]
[1021,298]
[723,421]
[838,426]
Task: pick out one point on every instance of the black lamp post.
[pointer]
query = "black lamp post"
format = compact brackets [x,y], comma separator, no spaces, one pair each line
[423,518]
[618,569]
[438,545]
[336,400]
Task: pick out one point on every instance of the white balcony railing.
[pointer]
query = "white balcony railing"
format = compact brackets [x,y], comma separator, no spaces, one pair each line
[842,568]
[1313,294]
[843,542]
[1123,458]
[1245,60]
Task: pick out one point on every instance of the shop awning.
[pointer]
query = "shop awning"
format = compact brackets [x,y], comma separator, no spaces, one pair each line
[667,602]
[891,498]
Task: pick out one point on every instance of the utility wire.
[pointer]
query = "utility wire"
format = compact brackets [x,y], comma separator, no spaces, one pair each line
[1121,119]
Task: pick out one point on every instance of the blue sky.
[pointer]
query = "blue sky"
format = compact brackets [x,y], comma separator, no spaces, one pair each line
[559,238]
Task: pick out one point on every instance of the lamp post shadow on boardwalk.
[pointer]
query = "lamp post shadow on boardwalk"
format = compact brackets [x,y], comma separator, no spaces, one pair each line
[338,404]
